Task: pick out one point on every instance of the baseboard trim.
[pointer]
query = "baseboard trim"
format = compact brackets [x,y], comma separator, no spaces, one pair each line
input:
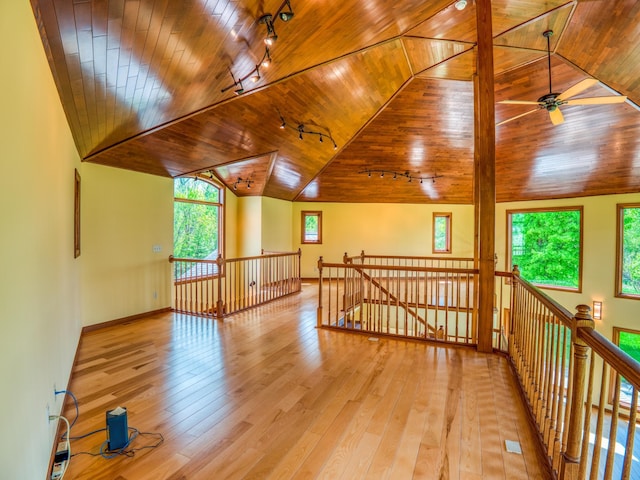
[118,321]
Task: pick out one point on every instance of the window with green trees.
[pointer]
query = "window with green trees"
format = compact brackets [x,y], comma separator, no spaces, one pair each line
[311,227]
[442,232]
[628,239]
[547,246]
[197,219]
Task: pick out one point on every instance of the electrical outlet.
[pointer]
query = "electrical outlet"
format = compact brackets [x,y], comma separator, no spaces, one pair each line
[157,249]
[155,295]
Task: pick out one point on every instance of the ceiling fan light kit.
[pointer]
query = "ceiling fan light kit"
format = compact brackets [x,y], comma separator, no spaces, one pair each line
[551,102]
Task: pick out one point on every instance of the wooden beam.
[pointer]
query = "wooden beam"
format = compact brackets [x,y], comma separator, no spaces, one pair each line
[485,163]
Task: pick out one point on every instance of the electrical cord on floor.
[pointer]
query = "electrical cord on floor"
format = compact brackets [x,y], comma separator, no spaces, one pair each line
[125,450]
[104,452]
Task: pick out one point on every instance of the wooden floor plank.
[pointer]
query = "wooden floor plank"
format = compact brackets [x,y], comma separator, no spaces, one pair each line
[264,394]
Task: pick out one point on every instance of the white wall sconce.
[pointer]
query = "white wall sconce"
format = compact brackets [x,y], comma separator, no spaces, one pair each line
[597,310]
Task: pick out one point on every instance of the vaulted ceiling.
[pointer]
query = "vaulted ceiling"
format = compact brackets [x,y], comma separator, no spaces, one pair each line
[149,85]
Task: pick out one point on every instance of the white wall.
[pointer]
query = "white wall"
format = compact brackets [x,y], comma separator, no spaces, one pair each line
[599,258]
[125,215]
[379,229]
[40,287]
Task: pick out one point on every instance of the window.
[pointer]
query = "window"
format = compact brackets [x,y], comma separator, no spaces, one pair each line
[197,219]
[629,342]
[547,246]
[628,251]
[442,233]
[311,227]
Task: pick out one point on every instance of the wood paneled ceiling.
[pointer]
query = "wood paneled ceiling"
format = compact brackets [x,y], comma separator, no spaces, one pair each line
[144,84]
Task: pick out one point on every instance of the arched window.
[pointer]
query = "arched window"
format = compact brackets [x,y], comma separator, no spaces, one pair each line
[198,218]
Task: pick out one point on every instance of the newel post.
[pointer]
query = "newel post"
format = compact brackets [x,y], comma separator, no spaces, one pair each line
[345,258]
[319,311]
[570,462]
[219,302]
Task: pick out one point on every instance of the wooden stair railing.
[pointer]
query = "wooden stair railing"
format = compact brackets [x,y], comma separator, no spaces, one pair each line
[411,301]
[571,377]
[220,287]
[391,296]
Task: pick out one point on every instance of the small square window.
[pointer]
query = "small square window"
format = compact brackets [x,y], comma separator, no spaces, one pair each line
[312,227]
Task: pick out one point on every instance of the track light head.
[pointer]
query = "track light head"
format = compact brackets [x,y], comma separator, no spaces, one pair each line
[285,16]
[271,37]
[460,4]
[266,59]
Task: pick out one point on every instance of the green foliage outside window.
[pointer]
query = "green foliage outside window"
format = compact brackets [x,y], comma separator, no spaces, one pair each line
[631,251]
[546,247]
[195,221]
[311,228]
[441,234]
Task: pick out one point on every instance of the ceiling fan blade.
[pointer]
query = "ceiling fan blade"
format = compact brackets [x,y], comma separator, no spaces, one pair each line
[516,117]
[597,100]
[518,102]
[577,88]
[556,116]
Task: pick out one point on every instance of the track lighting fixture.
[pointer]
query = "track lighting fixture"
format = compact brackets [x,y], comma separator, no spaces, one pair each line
[404,174]
[242,181]
[268,20]
[253,75]
[302,130]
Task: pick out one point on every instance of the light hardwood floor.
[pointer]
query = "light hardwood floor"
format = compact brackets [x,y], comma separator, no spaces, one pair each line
[265,394]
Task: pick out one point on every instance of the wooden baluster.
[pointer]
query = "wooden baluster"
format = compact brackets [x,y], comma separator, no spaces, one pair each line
[319,311]
[569,468]
[219,303]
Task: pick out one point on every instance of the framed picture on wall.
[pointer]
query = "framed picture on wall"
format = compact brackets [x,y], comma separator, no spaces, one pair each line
[76,215]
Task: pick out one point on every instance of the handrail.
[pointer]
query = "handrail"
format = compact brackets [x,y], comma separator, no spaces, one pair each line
[407,257]
[404,268]
[545,299]
[623,363]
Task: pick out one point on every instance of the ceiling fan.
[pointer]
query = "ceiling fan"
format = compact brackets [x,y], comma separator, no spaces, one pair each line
[551,102]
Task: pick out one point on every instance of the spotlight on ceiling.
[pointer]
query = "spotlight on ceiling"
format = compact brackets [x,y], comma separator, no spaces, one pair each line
[271,37]
[288,15]
[460,4]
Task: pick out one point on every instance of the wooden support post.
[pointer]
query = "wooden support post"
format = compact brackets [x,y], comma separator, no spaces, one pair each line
[485,183]
[570,462]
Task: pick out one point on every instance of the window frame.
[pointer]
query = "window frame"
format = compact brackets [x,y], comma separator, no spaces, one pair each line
[219,204]
[619,250]
[579,208]
[448,218]
[304,215]
[615,338]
